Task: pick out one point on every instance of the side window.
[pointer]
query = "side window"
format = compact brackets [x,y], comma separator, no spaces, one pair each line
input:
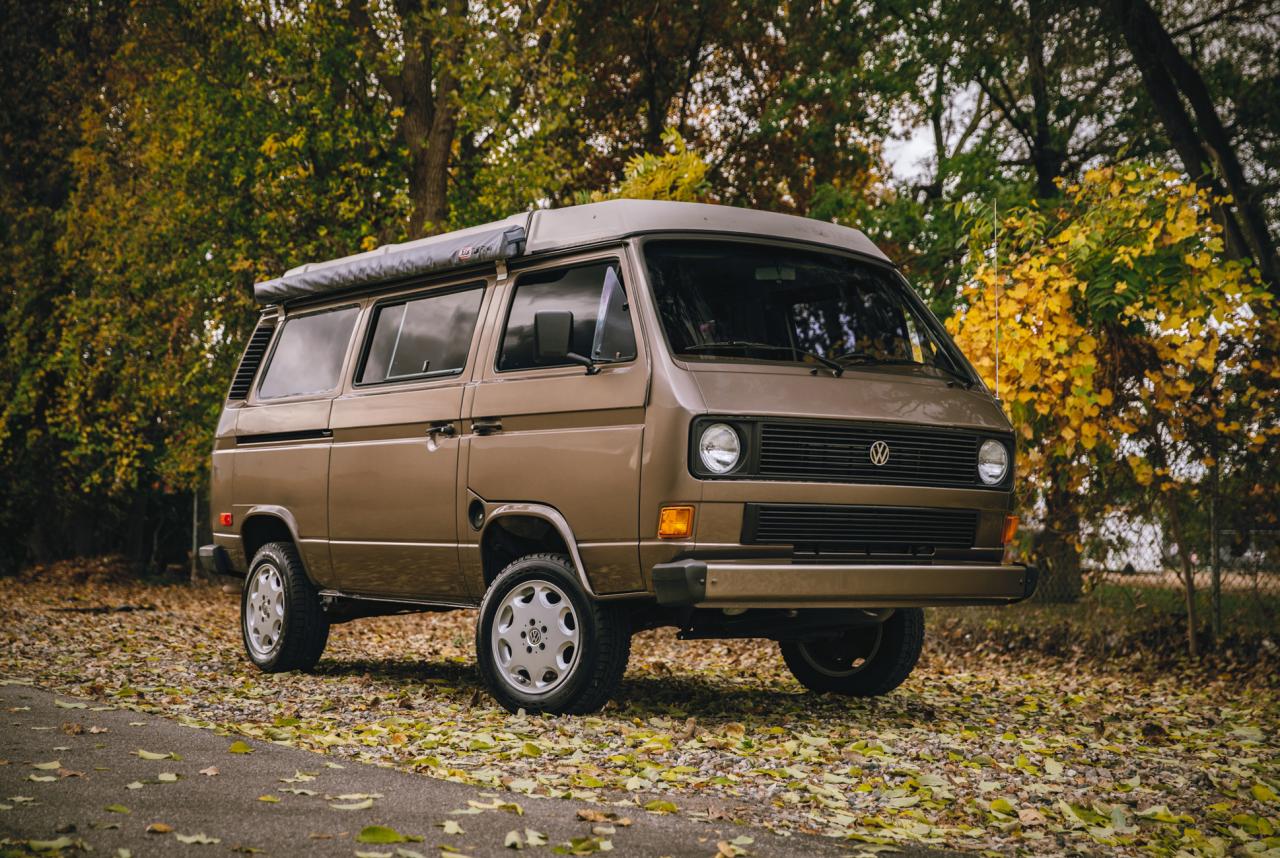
[308,356]
[593,293]
[421,337]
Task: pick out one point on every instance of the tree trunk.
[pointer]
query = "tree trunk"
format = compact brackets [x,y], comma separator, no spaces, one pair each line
[1046,157]
[1055,549]
[1188,578]
[1170,77]
[431,196]
[426,89]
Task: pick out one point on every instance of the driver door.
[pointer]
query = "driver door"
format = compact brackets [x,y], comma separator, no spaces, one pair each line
[556,435]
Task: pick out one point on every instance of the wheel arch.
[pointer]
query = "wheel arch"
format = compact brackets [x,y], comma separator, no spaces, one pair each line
[263,524]
[512,530]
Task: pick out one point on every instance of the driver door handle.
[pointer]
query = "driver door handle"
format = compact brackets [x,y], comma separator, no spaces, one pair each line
[446,429]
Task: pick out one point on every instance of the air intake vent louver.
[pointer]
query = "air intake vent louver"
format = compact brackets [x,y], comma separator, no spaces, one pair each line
[874,527]
[254,352]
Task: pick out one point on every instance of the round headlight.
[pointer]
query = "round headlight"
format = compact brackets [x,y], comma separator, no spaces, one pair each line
[993,462]
[719,448]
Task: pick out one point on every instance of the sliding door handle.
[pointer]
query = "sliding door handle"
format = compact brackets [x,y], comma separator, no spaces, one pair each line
[446,429]
[486,425]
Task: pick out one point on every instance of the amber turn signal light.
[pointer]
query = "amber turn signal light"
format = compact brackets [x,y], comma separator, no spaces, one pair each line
[224,519]
[1010,529]
[675,522]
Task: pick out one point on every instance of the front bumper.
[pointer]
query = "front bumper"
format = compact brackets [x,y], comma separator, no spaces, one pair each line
[764,584]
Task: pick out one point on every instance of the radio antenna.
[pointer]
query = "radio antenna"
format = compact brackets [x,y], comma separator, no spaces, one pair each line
[995,266]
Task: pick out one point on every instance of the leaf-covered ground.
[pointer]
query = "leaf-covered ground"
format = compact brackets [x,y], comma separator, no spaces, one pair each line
[975,752]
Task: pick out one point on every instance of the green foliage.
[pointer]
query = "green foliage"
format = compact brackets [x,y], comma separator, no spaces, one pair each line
[677,174]
[160,158]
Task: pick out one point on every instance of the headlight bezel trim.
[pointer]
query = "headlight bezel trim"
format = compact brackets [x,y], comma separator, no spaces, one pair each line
[747,431]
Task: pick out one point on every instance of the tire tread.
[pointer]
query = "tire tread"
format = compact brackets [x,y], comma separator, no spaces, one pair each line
[889,667]
[306,630]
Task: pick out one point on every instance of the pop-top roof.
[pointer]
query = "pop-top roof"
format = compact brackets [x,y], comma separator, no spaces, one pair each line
[547,231]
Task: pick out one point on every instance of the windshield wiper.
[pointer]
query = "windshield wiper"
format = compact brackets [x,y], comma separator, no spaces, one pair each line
[836,369]
[866,358]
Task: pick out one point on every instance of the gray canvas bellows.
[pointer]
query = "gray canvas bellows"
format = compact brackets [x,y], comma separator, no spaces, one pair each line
[395,262]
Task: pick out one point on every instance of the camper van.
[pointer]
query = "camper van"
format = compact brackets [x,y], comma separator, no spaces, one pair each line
[592,421]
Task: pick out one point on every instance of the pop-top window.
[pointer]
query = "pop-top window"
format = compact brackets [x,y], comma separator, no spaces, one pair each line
[309,353]
[421,338]
[595,296]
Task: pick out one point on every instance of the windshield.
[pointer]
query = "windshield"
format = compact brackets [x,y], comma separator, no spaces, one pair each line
[757,302]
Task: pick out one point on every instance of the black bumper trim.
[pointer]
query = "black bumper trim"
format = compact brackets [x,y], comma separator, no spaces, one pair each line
[681,583]
[1030,582]
[214,560]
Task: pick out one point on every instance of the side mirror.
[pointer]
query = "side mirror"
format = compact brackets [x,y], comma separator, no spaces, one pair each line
[553,339]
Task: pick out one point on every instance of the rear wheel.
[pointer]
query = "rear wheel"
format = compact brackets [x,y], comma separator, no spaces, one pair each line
[863,661]
[281,621]
[543,645]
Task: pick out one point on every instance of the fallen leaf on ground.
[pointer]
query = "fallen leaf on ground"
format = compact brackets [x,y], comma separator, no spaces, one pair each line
[152,755]
[359,805]
[380,834]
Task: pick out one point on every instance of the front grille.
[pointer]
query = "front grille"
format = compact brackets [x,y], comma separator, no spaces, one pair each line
[841,453]
[870,527]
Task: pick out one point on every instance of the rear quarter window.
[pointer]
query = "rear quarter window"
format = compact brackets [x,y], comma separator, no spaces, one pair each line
[308,355]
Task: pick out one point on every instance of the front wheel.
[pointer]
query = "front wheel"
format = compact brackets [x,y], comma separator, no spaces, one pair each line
[863,661]
[543,645]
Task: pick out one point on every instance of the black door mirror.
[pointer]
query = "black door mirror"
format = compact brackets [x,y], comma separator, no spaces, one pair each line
[553,339]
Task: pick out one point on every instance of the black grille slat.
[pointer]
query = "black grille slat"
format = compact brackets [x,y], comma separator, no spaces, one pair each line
[840,452]
[252,359]
[849,527]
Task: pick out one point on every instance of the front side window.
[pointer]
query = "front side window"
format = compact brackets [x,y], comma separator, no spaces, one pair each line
[730,300]
[593,293]
[309,353]
[423,337]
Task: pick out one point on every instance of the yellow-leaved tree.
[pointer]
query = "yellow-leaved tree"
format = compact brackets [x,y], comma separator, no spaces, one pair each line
[677,174]
[1138,365]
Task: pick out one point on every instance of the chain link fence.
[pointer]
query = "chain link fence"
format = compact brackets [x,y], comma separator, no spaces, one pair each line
[1228,580]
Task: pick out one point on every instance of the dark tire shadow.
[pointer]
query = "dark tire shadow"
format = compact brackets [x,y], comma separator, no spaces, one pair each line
[710,700]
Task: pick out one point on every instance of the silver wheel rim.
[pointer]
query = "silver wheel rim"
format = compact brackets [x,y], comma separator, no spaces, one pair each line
[264,610]
[826,664]
[535,638]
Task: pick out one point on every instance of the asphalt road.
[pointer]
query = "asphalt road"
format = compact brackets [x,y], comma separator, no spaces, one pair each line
[98,756]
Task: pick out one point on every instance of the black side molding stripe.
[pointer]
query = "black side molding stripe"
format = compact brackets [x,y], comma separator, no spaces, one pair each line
[300,435]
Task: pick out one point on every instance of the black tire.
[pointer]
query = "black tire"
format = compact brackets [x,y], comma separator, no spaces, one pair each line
[864,661]
[299,635]
[601,643]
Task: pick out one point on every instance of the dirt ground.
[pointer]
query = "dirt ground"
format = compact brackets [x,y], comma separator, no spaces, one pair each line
[977,751]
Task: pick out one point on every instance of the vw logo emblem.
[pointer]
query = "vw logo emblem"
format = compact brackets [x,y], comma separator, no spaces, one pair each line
[879,453]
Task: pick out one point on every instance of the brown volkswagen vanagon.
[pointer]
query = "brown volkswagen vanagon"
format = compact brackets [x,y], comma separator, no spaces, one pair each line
[596,420]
